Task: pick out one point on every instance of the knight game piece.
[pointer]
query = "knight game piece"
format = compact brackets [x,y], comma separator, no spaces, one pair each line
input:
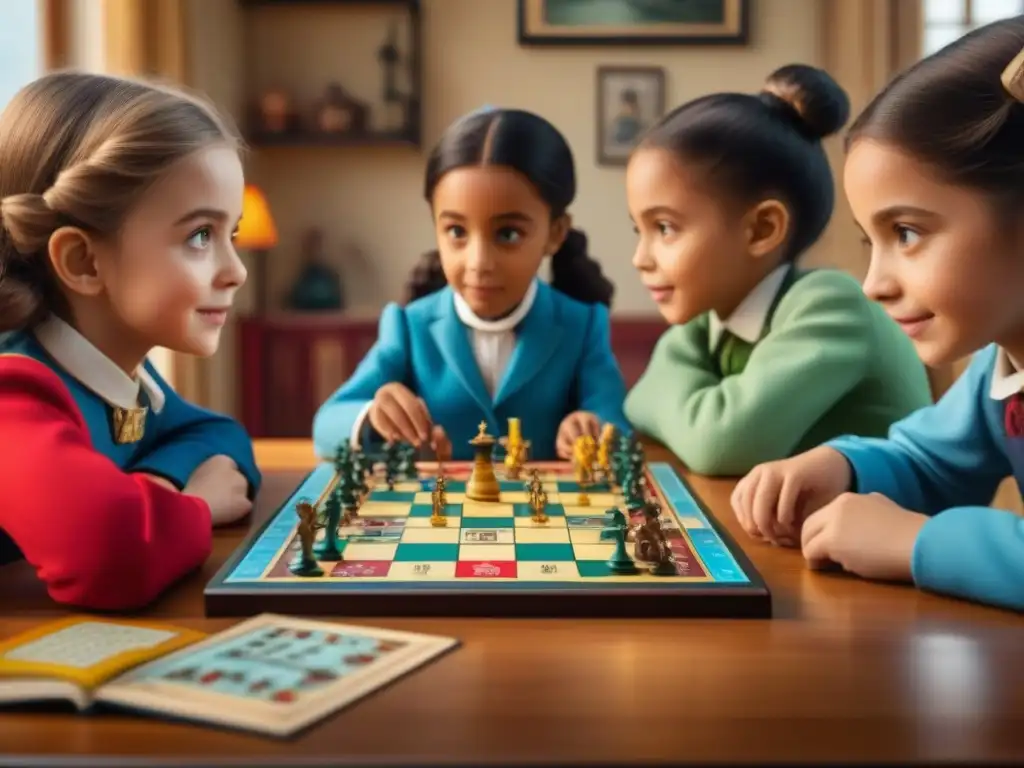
[304,562]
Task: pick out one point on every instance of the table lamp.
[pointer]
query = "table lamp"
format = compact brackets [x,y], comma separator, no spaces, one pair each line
[257,233]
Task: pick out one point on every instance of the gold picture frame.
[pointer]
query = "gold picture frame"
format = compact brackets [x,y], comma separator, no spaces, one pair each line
[633,22]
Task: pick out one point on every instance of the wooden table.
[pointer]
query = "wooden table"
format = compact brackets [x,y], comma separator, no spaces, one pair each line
[847,671]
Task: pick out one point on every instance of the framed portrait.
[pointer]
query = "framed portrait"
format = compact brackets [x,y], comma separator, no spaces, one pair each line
[629,101]
[633,22]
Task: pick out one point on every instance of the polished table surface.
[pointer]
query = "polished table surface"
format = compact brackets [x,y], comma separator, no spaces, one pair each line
[846,671]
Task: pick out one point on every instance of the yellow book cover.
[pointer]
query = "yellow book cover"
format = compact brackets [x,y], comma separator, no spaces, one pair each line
[71,657]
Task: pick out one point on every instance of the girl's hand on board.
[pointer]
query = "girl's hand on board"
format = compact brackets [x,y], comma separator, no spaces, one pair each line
[574,426]
[398,415]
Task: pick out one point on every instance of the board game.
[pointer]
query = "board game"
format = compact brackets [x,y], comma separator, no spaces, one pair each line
[402,554]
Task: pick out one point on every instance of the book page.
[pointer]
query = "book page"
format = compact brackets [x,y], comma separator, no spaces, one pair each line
[274,674]
[88,651]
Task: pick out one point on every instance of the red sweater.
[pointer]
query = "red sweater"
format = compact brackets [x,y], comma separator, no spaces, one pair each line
[99,537]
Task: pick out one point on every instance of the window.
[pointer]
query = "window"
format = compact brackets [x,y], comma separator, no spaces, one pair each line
[21,55]
[947,20]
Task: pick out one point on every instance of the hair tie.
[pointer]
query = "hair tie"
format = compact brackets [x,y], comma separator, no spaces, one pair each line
[1013,77]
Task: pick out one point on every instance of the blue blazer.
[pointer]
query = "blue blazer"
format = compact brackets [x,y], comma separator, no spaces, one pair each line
[946,461]
[562,363]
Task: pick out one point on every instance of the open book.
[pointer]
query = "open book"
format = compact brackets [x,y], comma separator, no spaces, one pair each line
[270,674]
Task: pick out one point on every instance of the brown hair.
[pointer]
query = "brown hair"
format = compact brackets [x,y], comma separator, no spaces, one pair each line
[953,111]
[79,149]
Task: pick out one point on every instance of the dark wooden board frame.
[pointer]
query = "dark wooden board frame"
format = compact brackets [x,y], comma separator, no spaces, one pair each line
[499,600]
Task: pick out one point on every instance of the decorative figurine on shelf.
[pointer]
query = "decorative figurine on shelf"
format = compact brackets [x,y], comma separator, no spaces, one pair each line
[276,112]
[395,103]
[340,114]
[318,287]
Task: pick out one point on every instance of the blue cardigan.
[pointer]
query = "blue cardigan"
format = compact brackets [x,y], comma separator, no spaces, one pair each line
[947,461]
[562,363]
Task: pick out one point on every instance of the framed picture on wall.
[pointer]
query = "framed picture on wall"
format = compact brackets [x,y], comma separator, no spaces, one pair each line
[629,101]
[633,22]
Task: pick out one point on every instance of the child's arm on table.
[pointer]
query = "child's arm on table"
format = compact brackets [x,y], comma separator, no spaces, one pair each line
[944,461]
[815,355]
[344,413]
[190,436]
[99,538]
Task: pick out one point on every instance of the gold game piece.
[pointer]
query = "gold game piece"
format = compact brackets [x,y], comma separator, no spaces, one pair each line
[516,449]
[439,502]
[483,485]
[539,503]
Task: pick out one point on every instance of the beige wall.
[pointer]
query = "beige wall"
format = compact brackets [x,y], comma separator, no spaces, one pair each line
[87,50]
[372,195]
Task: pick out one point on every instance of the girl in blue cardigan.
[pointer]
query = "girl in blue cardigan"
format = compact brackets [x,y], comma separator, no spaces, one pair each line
[485,340]
[935,178]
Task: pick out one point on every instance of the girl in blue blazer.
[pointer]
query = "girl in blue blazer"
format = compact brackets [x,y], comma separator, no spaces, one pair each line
[483,339]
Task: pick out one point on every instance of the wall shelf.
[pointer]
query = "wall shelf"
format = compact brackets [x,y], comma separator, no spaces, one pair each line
[408,135]
[260,140]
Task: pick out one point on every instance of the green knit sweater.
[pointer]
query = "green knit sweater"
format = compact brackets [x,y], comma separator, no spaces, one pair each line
[830,362]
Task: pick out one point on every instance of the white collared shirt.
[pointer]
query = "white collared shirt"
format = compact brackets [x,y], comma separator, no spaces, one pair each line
[748,319]
[493,342]
[97,372]
[1007,376]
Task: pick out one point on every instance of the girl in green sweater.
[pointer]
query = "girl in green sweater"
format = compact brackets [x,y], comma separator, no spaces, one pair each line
[763,359]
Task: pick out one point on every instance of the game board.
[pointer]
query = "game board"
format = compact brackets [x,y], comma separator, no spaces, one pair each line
[492,558]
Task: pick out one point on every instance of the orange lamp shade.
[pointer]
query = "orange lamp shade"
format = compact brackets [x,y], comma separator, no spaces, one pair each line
[256,230]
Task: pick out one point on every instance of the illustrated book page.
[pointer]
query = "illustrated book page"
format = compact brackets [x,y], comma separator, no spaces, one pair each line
[273,674]
[70,658]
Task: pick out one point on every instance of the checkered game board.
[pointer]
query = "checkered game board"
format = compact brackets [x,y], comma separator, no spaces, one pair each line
[487,552]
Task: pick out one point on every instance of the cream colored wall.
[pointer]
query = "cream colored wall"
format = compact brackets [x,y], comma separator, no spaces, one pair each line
[471,57]
[87,51]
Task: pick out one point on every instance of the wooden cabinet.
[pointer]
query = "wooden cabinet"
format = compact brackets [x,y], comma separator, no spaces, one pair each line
[291,363]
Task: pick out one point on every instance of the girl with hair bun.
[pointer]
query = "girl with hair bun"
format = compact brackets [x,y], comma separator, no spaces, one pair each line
[482,338]
[118,201]
[935,177]
[763,359]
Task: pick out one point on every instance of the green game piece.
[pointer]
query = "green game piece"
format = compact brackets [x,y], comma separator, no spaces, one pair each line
[329,548]
[615,519]
[620,562]
[407,461]
[392,463]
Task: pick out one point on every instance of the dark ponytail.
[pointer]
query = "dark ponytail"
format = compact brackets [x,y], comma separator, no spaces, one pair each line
[426,278]
[768,144]
[529,144]
[577,275]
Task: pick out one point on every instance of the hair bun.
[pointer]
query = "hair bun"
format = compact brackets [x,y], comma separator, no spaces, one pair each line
[28,221]
[818,102]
